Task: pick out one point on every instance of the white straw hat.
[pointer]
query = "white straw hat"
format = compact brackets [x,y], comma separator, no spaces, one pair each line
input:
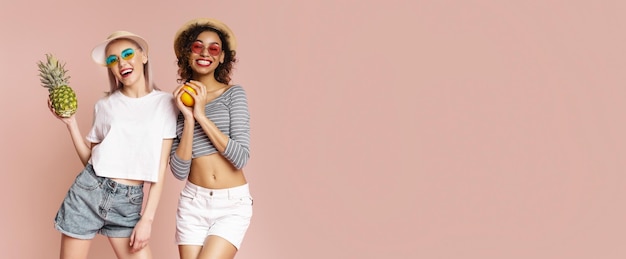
[98,53]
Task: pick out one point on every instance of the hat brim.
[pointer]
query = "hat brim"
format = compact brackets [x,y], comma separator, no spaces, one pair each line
[213,23]
[98,54]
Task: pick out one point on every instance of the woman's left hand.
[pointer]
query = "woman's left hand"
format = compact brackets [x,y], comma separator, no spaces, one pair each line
[199,98]
[178,92]
[140,236]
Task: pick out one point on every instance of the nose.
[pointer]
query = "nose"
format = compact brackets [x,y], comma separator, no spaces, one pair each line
[205,51]
[122,61]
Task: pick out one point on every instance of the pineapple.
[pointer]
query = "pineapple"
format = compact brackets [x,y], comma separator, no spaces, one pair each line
[53,76]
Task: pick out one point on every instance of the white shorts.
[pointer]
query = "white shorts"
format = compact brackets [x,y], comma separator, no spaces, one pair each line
[204,212]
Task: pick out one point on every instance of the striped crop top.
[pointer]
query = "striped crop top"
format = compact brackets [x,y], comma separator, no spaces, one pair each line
[229,112]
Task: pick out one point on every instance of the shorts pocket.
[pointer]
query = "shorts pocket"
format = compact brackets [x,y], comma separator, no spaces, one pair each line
[136,199]
[132,207]
[186,195]
[242,207]
[87,181]
[245,201]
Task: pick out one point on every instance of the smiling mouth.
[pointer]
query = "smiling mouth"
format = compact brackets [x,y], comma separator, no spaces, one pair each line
[203,62]
[126,72]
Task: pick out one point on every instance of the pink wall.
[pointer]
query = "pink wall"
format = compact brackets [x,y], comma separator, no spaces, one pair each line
[381,129]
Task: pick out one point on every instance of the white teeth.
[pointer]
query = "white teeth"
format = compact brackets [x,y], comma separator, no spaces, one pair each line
[204,62]
[127,71]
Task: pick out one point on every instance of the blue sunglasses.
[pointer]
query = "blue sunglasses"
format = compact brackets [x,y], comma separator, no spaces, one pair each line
[126,54]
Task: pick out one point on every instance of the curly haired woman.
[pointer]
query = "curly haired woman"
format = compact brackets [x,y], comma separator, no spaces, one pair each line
[212,143]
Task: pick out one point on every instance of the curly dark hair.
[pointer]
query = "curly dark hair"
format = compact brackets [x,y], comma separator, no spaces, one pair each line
[188,37]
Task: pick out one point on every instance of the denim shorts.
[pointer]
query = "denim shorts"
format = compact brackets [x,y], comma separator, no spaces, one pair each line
[221,212]
[97,204]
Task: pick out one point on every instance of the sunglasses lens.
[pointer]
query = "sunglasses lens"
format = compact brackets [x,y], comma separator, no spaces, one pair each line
[128,54]
[214,50]
[111,60]
[197,47]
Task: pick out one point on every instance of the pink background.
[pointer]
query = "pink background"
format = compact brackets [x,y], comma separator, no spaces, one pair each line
[381,129]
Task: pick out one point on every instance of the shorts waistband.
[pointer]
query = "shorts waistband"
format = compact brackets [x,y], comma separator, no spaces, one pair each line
[114,186]
[238,191]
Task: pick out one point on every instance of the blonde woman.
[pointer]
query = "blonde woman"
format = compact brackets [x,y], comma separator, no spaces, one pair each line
[128,145]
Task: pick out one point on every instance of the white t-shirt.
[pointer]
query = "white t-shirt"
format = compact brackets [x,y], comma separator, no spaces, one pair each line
[131,132]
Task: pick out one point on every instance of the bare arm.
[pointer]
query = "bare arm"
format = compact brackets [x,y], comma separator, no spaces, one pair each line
[141,233]
[82,146]
[180,159]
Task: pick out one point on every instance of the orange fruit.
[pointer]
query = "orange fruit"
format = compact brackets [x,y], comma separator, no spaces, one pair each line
[186,98]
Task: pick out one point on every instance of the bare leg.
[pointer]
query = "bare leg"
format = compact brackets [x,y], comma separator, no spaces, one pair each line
[73,248]
[216,247]
[189,251]
[121,246]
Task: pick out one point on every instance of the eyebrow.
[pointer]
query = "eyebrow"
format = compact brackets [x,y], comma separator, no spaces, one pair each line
[209,42]
[133,48]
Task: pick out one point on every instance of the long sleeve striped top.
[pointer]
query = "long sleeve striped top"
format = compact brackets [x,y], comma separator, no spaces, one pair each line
[229,112]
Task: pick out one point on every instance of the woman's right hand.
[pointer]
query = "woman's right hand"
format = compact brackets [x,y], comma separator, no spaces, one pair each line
[67,121]
[187,111]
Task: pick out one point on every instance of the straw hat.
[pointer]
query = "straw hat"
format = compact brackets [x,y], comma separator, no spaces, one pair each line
[216,24]
[98,53]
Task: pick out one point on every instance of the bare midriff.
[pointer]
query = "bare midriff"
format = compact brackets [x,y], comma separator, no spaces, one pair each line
[215,172]
[127,181]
